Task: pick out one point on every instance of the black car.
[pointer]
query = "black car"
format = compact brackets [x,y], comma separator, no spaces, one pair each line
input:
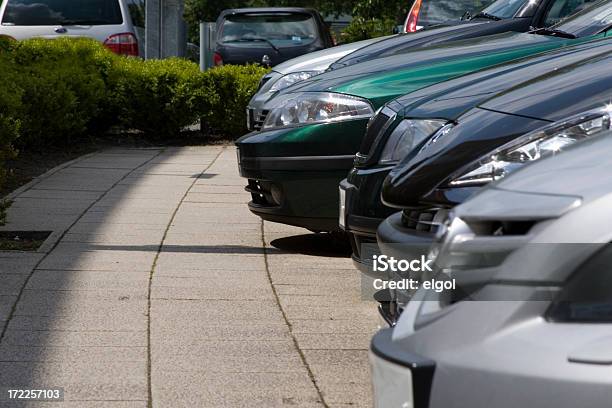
[539,116]
[363,210]
[269,36]
[501,16]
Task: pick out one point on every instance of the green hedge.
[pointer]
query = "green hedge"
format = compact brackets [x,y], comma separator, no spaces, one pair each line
[10,108]
[228,91]
[362,29]
[59,91]
[70,88]
[64,88]
[158,97]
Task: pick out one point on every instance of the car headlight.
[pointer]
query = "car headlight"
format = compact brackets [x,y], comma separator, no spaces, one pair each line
[294,78]
[407,135]
[317,107]
[547,141]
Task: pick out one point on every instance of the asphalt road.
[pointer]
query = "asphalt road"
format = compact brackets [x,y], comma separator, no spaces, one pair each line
[158,288]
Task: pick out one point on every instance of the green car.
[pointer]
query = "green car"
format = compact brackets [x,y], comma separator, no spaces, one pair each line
[310,132]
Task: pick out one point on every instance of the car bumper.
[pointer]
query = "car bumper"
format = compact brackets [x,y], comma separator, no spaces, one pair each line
[362,213]
[293,174]
[399,242]
[305,200]
[292,191]
[362,230]
[400,379]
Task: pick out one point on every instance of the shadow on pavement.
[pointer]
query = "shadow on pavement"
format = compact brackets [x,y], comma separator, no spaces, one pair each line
[329,245]
[183,249]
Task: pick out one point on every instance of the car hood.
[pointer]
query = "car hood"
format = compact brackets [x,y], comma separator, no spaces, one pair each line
[450,99]
[560,94]
[437,33]
[321,60]
[570,89]
[387,78]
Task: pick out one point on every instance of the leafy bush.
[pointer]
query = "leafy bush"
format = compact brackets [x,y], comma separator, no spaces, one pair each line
[10,106]
[64,88]
[228,90]
[71,88]
[362,29]
[158,97]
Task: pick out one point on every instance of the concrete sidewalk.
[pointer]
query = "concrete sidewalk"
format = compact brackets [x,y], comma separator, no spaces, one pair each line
[158,288]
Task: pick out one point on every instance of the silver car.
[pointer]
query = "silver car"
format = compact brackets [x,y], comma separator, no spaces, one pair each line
[108,21]
[296,70]
[529,323]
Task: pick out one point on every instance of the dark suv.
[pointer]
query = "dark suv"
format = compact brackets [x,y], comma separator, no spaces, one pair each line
[269,36]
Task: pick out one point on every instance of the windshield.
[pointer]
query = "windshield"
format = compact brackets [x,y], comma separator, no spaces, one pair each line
[282,29]
[589,21]
[62,12]
[505,8]
[440,11]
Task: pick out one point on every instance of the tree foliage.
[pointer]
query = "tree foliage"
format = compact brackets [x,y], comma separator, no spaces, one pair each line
[208,10]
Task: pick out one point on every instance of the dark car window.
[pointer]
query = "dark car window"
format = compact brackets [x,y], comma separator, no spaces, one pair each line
[137,12]
[589,21]
[440,11]
[58,12]
[561,9]
[505,9]
[282,29]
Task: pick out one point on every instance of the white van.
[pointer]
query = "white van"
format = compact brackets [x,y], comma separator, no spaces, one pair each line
[108,21]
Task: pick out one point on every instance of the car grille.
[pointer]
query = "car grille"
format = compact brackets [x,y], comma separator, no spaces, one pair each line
[428,220]
[376,128]
[257,119]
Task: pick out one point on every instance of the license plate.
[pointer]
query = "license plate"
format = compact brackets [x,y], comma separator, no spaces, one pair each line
[342,219]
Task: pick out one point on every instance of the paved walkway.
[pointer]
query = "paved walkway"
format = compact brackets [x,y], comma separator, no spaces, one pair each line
[158,288]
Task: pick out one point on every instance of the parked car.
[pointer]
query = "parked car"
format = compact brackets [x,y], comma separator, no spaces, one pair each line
[107,21]
[362,209]
[313,129]
[298,69]
[269,36]
[503,16]
[535,118]
[533,327]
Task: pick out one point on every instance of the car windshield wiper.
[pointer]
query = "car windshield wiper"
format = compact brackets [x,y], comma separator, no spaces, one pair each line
[487,16]
[555,32]
[255,39]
